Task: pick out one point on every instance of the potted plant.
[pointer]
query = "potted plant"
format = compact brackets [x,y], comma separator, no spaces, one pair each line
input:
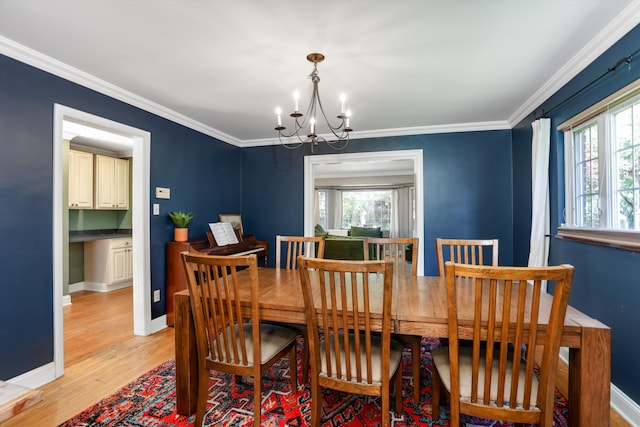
[181,220]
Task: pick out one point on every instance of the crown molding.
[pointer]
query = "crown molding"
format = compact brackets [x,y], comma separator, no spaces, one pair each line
[383,133]
[51,65]
[607,37]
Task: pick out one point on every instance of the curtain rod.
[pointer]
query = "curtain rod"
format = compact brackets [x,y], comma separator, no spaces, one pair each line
[626,60]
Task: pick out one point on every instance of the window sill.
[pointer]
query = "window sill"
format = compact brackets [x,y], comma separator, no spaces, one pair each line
[629,240]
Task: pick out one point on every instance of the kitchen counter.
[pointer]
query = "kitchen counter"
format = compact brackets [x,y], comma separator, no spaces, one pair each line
[88,235]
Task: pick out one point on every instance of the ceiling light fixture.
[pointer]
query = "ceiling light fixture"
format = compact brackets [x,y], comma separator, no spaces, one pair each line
[300,135]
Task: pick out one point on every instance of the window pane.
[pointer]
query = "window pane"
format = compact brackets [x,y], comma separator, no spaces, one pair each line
[366,209]
[626,165]
[322,209]
[587,179]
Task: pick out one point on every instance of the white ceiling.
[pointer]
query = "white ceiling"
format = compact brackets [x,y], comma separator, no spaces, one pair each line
[406,66]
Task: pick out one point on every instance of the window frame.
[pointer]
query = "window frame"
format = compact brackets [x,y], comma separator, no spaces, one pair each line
[601,114]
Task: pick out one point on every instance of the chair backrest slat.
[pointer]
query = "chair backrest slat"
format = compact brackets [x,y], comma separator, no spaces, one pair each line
[466,251]
[297,246]
[394,249]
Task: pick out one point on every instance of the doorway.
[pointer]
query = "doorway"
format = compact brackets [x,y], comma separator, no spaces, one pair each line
[372,164]
[142,323]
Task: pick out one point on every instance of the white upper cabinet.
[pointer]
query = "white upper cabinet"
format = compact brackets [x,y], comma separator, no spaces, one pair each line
[80,180]
[111,183]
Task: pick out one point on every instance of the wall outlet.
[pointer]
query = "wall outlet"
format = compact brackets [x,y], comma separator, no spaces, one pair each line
[156,295]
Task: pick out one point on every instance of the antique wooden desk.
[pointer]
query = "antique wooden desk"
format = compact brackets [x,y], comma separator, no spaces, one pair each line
[419,308]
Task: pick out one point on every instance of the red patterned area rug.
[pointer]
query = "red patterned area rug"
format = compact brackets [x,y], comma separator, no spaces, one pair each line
[150,401]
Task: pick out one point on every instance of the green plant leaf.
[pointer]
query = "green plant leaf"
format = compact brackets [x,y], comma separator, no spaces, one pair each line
[181,219]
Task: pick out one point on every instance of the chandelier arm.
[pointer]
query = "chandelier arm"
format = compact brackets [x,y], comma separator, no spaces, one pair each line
[289,145]
[333,129]
[336,145]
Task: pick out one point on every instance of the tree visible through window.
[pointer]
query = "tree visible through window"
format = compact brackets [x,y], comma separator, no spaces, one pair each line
[366,209]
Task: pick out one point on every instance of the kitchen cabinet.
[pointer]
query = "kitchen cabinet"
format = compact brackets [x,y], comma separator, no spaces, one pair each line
[111,183]
[108,264]
[80,180]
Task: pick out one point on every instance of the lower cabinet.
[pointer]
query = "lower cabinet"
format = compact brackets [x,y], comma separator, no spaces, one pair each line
[108,264]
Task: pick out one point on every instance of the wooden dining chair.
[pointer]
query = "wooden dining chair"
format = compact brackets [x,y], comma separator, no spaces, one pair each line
[395,249]
[512,391]
[466,251]
[228,339]
[298,245]
[349,301]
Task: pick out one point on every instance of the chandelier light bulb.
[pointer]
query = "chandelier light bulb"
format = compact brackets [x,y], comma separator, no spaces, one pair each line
[343,101]
[279,114]
[296,98]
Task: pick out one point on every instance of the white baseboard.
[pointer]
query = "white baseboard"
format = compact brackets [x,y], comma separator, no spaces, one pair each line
[623,405]
[620,402]
[66,300]
[103,287]
[159,323]
[75,287]
[36,377]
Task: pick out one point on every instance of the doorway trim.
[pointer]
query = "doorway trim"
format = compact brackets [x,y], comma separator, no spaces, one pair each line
[142,323]
[312,163]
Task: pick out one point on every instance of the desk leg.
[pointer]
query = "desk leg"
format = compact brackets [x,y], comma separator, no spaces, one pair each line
[186,357]
[590,376]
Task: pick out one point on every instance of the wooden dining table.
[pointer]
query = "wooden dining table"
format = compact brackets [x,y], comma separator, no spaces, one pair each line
[419,307]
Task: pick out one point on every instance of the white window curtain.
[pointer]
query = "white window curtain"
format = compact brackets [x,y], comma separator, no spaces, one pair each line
[394,227]
[335,201]
[539,244]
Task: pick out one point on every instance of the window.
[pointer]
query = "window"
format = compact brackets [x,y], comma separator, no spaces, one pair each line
[321,206]
[366,209]
[602,171]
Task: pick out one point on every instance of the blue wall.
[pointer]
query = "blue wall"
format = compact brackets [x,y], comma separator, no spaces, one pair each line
[606,280]
[203,174]
[476,184]
[467,187]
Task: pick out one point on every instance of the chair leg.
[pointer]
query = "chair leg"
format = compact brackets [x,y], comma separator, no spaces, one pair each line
[316,401]
[257,399]
[293,369]
[436,386]
[384,416]
[415,357]
[398,386]
[305,357]
[203,392]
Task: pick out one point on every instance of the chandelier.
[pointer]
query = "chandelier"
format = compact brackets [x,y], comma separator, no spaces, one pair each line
[305,126]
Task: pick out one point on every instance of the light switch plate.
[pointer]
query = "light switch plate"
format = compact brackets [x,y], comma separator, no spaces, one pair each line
[163,193]
[156,209]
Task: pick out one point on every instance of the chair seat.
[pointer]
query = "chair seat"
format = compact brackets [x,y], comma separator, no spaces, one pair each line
[273,339]
[376,357]
[441,362]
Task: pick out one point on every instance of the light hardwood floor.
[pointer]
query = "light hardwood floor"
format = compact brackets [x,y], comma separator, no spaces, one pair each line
[102,355]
